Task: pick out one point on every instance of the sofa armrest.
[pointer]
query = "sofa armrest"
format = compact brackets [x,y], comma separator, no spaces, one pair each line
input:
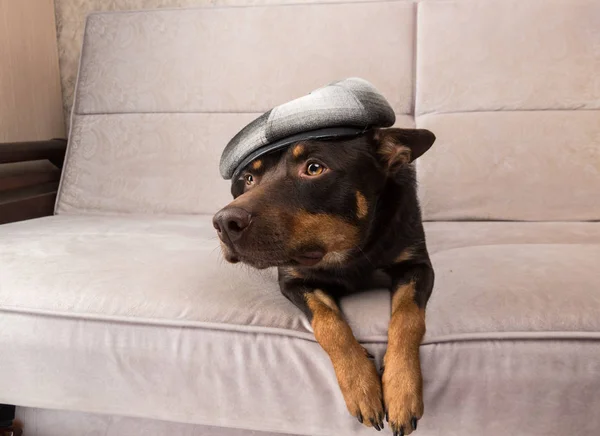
[54,150]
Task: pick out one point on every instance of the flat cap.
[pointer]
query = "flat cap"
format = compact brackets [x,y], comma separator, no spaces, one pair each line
[341,109]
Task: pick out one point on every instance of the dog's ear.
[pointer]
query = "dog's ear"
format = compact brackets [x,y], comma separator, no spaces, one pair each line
[399,147]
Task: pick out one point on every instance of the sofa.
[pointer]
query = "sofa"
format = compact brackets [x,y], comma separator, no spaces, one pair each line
[119,316]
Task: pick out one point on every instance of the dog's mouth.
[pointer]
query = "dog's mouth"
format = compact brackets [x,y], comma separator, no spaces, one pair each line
[259,259]
[258,262]
[271,258]
[309,258]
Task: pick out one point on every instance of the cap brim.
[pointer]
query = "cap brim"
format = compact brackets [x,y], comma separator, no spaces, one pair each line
[319,134]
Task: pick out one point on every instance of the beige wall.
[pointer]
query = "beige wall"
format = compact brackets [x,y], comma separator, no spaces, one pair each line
[70,21]
[30,94]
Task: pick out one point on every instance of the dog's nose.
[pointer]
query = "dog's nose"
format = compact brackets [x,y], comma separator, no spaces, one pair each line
[232,222]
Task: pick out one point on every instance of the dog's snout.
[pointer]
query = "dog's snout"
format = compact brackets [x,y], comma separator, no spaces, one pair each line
[232,222]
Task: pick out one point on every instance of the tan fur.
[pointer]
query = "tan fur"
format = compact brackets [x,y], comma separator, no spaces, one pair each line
[322,297]
[293,273]
[406,254]
[402,381]
[298,151]
[335,258]
[257,164]
[362,207]
[333,233]
[356,374]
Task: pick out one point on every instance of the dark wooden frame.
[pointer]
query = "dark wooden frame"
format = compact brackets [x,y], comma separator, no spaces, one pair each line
[37,200]
[7,425]
[54,150]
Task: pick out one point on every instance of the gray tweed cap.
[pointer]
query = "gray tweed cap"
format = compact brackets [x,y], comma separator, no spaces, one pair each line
[341,109]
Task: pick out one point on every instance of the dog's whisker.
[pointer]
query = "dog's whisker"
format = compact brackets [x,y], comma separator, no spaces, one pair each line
[365,255]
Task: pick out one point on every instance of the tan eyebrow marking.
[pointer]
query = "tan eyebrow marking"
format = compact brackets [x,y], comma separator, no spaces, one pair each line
[298,150]
[257,164]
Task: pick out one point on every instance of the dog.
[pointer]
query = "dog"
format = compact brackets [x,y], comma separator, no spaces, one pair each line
[328,215]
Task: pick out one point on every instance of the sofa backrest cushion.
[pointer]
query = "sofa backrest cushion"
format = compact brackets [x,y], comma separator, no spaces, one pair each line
[160,93]
[511,88]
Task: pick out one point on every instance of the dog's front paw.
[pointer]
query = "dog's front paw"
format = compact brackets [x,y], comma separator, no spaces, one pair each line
[402,394]
[361,387]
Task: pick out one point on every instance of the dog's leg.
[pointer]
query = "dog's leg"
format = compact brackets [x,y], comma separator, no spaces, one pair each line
[402,380]
[356,373]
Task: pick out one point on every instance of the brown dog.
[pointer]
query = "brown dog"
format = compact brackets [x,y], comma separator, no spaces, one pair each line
[328,214]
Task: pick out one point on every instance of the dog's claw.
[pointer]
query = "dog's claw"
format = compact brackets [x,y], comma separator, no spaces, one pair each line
[387,416]
[375,425]
[398,432]
[414,423]
[359,417]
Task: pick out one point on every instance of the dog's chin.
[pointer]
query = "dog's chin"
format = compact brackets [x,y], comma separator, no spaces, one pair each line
[259,263]
[302,258]
[228,254]
[255,260]
[231,258]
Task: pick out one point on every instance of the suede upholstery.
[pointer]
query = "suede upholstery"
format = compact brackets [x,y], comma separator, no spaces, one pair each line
[119,311]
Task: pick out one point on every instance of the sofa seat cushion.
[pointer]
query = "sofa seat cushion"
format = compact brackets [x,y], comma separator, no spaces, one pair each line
[508,279]
[139,316]
[148,269]
[513,332]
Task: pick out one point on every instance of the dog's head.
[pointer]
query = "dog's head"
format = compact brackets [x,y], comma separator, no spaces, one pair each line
[314,203]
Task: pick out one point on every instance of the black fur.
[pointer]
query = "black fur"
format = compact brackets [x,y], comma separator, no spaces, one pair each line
[392,226]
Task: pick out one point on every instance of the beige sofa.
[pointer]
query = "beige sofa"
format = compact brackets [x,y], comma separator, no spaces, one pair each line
[117,315]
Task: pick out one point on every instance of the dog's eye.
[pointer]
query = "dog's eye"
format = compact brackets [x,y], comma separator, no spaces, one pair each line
[249,179]
[314,169]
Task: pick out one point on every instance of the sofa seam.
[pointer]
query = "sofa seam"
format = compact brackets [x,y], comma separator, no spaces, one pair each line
[74,107]
[213,6]
[516,336]
[308,335]
[500,110]
[398,113]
